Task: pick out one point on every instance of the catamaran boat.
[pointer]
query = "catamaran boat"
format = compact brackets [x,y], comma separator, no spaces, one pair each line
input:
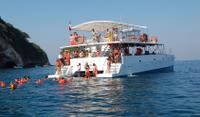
[112,49]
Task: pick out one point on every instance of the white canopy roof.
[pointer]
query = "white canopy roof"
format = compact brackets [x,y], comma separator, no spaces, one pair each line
[102,25]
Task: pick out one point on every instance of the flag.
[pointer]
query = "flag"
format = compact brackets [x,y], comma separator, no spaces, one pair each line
[69,26]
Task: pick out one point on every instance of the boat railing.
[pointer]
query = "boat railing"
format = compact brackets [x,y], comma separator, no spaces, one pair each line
[103,39]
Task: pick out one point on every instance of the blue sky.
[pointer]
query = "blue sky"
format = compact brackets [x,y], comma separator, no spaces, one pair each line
[175,22]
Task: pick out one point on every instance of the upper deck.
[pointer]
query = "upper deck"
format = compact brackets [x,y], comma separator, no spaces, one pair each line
[130,43]
[96,33]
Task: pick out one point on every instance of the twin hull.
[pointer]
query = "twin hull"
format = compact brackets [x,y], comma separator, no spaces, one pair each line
[129,65]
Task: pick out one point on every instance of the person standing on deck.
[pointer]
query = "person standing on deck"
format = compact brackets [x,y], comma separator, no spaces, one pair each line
[66,56]
[108,64]
[87,71]
[115,34]
[95,36]
[79,70]
[95,70]
[109,35]
[58,66]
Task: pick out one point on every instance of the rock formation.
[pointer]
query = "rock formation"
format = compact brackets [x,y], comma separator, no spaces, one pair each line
[16,50]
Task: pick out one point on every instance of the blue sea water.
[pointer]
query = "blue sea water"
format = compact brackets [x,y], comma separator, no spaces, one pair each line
[174,94]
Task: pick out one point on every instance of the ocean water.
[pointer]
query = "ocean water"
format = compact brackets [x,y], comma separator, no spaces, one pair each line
[174,94]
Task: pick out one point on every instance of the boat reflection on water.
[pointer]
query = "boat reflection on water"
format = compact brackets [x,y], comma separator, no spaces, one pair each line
[95,96]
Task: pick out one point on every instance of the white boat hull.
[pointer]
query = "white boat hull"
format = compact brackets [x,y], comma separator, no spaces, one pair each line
[146,63]
[130,65]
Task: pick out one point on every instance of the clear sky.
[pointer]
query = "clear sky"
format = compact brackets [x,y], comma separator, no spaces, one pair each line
[175,22]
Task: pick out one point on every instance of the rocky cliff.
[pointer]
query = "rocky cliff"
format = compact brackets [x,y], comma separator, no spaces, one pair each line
[16,50]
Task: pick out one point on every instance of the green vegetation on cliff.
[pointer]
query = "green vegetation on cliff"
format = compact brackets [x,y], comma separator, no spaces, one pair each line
[15,49]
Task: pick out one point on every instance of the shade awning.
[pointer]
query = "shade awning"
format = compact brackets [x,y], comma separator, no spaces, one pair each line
[102,25]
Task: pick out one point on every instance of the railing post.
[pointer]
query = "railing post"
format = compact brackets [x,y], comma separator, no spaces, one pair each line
[122,58]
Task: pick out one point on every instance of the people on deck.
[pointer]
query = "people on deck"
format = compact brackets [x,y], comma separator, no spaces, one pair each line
[76,36]
[86,53]
[89,53]
[95,36]
[87,71]
[60,56]
[153,39]
[117,55]
[111,56]
[97,53]
[79,70]
[81,54]
[126,51]
[138,51]
[108,64]
[95,70]
[66,56]
[109,35]
[76,39]
[58,66]
[115,34]
[72,40]
[143,37]
[77,54]
[73,54]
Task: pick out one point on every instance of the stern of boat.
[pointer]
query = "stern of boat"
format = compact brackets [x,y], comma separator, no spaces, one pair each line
[114,71]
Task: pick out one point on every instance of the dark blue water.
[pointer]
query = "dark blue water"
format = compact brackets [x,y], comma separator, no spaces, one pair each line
[175,94]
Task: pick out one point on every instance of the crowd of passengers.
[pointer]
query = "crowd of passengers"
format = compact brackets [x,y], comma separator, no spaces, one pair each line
[114,56]
[110,35]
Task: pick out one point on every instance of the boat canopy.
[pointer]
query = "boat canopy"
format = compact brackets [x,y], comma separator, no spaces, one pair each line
[102,25]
